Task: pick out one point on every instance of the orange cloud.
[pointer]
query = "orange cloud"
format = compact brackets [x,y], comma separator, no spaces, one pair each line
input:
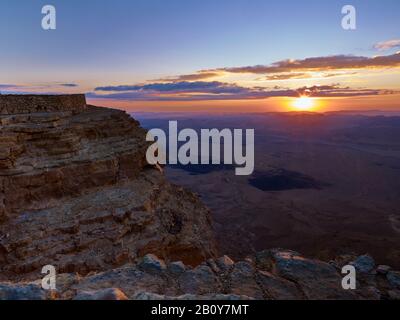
[338,62]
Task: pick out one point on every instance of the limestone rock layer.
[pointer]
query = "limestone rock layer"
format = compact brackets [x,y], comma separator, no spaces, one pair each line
[76,192]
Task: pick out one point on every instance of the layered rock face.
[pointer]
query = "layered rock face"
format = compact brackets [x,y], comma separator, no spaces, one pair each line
[268,275]
[76,192]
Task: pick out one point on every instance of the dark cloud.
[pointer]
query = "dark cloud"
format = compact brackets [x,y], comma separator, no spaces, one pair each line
[186,91]
[141,96]
[214,87]
[69,85]
[195,91]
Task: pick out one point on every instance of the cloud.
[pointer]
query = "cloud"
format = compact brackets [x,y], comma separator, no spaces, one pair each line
[69,85]
[10,89]
[51,88]
[175,91]
[200,90]
[287,76]
[387,45]
[214,87]
[141,96]
[338,62]
[336,91]
[331,75]
[191,77]
[303,75]
[303,68]
[8,86]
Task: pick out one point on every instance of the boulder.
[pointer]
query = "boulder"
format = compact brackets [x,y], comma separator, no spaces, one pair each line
[276,288]
[151,264]
[225,263]
[242,281]
[383,269]
[176,268]
[394,279]
[317,279]
[200,281]
[364,264]
[21,292]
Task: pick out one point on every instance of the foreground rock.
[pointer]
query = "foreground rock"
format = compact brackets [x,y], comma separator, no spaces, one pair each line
[31,291]
[270,275]
[76,192]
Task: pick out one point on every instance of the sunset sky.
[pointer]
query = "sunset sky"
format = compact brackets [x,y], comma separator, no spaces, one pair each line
[208,55]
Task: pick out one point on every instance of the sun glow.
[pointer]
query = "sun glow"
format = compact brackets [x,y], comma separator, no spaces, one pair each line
[304,103]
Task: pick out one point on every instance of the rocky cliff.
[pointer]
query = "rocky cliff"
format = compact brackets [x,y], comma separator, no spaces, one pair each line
[77,193]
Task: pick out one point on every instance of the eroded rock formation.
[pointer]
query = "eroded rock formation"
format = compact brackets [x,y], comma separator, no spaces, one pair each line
[76,192]
[271,275]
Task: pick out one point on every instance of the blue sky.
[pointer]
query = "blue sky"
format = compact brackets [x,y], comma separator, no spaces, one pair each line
[99,42]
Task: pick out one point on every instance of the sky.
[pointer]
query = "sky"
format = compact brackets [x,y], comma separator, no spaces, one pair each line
[192,55]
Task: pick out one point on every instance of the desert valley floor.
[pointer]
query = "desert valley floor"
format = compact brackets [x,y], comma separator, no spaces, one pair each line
[324,184]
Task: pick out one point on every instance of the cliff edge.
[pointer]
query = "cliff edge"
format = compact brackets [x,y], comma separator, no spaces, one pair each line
[76,192]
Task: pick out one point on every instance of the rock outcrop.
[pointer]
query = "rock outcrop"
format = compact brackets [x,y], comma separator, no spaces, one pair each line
[269,275]
[76,192]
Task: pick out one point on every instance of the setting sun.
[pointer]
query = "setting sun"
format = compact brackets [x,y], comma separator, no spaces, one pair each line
[304,103]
